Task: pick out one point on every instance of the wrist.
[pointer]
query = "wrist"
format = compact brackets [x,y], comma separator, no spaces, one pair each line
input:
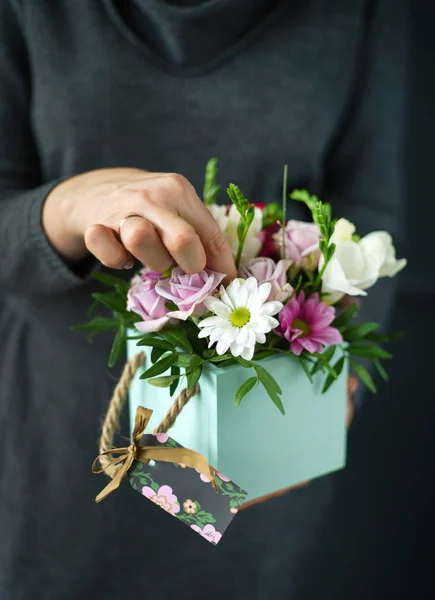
[58,222]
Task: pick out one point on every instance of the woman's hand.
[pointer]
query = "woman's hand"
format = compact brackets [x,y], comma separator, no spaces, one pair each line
[117,214]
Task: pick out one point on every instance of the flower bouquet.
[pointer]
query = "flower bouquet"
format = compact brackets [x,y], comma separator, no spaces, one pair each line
[264,360]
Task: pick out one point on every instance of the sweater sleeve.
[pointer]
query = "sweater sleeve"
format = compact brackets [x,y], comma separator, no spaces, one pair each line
[28,263]
[365,163]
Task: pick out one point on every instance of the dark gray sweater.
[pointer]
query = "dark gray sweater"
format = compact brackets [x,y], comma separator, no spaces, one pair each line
[87,84]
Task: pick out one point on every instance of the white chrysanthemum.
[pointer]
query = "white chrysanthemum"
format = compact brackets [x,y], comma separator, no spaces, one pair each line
[243,317]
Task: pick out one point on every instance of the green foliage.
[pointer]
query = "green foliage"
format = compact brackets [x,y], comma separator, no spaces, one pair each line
[211,189]
[321,214]
[118,346]
[160,366]
[244,389]
[338,367]
[272,213]
[365,377]
[267,381]
[247,214]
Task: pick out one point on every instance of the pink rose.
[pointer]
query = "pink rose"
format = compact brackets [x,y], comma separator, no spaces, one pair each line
[267,270]
[209,533]
[301,244]
[143,299]
[188,292]
[165,498]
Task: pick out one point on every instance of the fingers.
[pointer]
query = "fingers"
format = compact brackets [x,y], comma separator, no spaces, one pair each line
[218,254]
[176,227]
[102,243]
[141,239]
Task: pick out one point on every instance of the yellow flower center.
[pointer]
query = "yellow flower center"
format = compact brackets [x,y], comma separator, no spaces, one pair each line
[239,317]
[299,324]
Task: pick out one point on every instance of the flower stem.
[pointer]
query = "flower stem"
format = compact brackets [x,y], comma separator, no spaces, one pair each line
[284,207]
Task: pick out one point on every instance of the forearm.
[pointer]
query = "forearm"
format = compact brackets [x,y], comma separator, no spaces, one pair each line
[29,263]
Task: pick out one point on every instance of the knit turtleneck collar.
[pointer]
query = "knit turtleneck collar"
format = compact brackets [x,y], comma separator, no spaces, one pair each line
[191,33]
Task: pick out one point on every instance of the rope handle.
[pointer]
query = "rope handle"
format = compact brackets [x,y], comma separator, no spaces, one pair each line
[119,398]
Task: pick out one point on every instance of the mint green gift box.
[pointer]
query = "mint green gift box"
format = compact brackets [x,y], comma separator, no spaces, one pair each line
[254,444]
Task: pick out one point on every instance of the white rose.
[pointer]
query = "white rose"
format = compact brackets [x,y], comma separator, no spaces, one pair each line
[229,223]
[380,243]
[356,266]
[219,213]
[343,231]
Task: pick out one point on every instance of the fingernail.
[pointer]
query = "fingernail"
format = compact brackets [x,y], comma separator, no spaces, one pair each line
[129,264]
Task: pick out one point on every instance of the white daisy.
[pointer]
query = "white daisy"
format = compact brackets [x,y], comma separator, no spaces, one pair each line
[243,317]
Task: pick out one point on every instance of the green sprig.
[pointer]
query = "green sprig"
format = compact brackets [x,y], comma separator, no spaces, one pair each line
[321,214]
[284,208]
[211,188]
[247,214]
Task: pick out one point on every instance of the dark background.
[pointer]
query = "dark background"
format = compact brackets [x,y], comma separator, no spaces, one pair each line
[380,542]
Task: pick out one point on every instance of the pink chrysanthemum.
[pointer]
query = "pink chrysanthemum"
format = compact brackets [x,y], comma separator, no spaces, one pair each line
[305,324]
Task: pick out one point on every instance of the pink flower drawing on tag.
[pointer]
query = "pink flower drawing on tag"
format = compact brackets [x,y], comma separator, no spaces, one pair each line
[165,498]
[209,533]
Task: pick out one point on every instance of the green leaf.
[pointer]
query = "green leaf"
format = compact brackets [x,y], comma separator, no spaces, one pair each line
[241,231]
[245,363]
[111,281]
[328,354]
[118,346]
[381,338]
[323,363]
[250,214]
[112,301]
[357,332]
[193,377]
[331,250]
[156,343]
[160,366]
[156,353]
[177,338]
[263,354]
[271,214]
[266,376]
[364,376]
[175,371]
[238,198]
[306,369]
[211,189]
[382,372]
[98,324]
[273,396]
[244,389]
[369,351]
[171,305]
[338,367]
[164,381]
[183,361]
[318,366]
[306,198]
[345,317]
[195,361]
[271,386]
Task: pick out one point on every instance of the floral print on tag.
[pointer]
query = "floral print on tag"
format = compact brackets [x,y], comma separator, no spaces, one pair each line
[183,493]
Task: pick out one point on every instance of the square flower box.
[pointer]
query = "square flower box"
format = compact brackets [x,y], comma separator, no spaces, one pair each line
[254,444]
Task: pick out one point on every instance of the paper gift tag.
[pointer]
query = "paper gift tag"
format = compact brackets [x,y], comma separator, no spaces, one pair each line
[186,494]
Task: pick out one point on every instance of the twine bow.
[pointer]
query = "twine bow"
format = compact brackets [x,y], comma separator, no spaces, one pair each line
[135,451]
